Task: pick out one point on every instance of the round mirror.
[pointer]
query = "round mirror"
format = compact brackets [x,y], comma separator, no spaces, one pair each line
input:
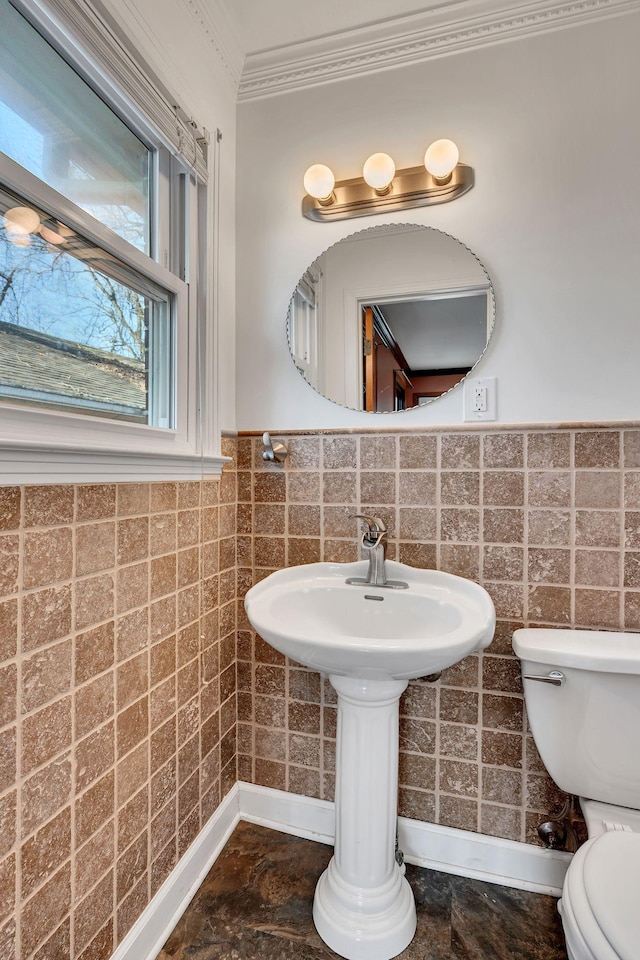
[390,318]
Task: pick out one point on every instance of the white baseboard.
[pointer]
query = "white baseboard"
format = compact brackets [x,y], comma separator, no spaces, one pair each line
[506,862]
[460,852]
[288,812]
[150,931]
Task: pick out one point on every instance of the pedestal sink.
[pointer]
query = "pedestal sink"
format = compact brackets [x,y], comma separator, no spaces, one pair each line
[370,641]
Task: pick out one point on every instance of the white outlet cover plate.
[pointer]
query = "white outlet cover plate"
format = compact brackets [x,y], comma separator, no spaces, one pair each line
[470,386]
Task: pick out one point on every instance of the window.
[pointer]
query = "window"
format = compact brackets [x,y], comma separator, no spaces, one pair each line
[79,328]
[101,304]
[302,326]
[56,126]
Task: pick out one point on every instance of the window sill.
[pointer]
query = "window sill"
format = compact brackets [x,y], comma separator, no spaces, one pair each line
[22,463]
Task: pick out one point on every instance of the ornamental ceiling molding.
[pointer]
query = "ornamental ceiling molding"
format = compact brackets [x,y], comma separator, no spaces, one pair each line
[450,28]
[214,25]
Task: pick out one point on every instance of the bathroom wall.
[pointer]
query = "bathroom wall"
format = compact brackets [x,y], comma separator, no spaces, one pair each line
[118,601]
[546,122]
[117,700]
[545,516]
[547,520]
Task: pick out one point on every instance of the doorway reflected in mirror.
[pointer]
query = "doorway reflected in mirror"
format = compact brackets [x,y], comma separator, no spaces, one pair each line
[390,318]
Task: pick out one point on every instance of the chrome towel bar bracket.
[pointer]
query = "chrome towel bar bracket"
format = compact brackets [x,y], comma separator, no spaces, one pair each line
[275,450]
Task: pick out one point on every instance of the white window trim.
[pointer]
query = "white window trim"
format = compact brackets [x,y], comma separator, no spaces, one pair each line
[47,446]
[87,33]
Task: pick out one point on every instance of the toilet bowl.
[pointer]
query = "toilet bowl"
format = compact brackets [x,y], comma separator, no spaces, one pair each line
[599,905]
[582,691]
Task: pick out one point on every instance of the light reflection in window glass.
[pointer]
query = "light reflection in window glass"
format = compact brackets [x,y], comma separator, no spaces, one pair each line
[77,328]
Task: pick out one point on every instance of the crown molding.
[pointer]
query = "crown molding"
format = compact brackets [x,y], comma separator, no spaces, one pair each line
[216,28]
[452,27]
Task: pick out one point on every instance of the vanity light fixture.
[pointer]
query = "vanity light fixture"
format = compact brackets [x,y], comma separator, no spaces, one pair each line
[383,189]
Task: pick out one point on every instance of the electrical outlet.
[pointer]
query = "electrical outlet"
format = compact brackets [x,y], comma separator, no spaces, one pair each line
[480,399]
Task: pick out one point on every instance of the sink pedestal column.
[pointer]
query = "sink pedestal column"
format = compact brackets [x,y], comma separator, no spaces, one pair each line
[363,907]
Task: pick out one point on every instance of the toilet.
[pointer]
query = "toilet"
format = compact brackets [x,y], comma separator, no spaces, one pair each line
[582,691]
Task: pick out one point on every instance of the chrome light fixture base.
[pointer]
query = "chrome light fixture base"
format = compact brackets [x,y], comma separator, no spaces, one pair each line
[412,187]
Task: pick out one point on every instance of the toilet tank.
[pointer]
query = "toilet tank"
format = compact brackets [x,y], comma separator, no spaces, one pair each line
[588,729]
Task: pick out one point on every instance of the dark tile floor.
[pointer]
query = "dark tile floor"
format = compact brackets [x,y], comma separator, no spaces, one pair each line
[255,904]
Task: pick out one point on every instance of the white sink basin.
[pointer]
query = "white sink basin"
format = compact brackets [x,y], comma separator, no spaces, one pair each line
[371,641]
[313,616]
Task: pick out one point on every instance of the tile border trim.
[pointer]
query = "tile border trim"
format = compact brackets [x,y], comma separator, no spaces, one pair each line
[436,428]
[505,862]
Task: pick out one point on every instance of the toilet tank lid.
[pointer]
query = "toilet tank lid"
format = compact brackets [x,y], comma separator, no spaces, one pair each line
[601,650]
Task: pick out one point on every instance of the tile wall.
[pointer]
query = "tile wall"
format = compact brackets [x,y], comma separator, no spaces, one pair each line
[548,521]
[117,701]
[119,717]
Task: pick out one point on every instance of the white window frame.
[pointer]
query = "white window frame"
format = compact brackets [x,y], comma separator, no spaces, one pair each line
[39,445]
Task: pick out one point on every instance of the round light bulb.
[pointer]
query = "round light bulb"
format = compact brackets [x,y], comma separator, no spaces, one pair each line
[319,182]
[441,159]
[378,171]
[21,221]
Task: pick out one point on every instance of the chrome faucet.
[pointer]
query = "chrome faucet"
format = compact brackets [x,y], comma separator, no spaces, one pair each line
[373,538]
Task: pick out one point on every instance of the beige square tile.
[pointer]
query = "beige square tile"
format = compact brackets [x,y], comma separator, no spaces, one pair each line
[45,675]
[549,488]
[459,451]
[45,852]
[549,450]
[10,564]
[10,508]
[502,488]
[460,487]
[48,556]
[42,913]
[378,452]
[43,794]
[598,568]
[503,450]
[48,505]
[598,448]
[95,501]
[94,600]
[598,488]
[339,453]
[458,812]
[45,734]
[95,547]
[377,487]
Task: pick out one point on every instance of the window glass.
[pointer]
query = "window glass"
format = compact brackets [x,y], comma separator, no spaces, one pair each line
[302,326]
[53,124]
[78,327]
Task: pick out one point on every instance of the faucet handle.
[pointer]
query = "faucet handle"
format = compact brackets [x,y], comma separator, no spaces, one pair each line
[375,528]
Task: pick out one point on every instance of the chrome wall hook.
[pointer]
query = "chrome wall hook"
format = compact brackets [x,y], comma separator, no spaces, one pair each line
[275,450]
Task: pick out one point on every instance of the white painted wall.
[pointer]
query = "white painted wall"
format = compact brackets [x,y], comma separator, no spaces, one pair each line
[550,125]
[171,37]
